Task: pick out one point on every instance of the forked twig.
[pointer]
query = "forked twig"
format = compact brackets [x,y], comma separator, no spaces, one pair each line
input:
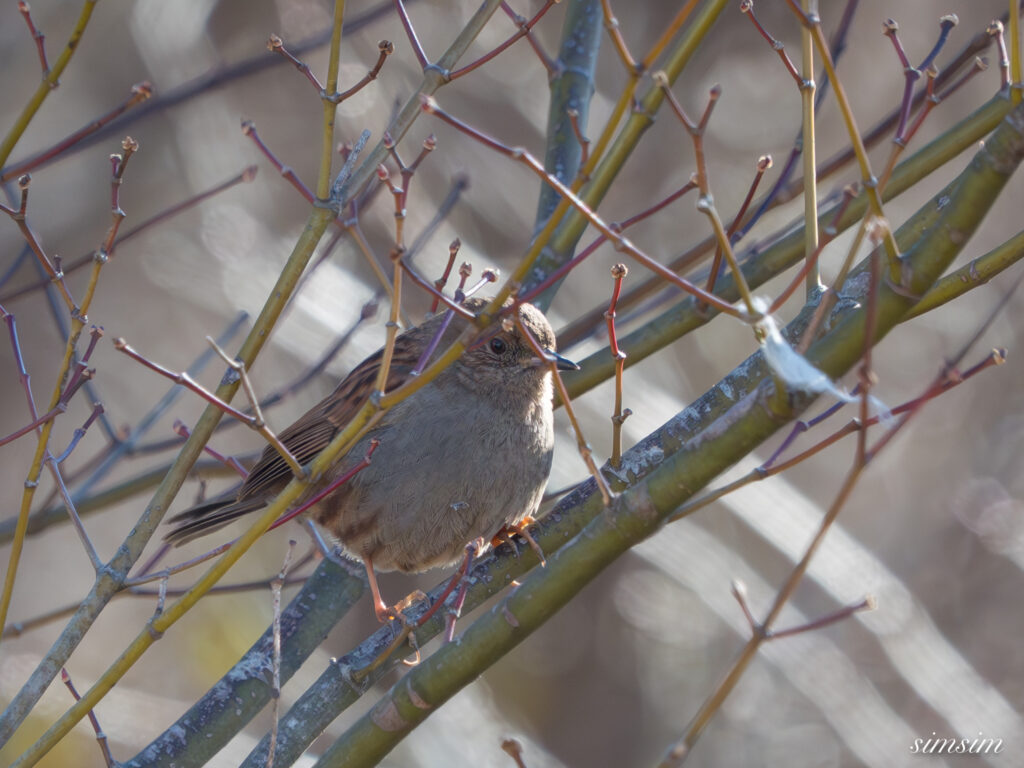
[619,271]
[586,452]
[101,737]
[521,155]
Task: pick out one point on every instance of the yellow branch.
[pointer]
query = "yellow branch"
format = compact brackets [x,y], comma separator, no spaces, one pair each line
[50,82]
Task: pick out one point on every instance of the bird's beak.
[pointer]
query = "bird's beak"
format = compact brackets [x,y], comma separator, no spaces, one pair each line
[562,363]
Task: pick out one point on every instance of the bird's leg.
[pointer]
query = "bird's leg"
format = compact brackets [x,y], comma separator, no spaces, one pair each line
[380,608]
[521,529]
[384,614]
[459,577]
[472,550]
[455,611]
[504,536]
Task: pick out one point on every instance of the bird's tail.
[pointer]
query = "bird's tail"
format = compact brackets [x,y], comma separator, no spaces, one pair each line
[208,517]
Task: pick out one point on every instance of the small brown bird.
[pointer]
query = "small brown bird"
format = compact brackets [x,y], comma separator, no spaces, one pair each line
[461,458]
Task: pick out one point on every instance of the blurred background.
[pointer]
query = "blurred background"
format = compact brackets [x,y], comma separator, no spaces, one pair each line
[935,531]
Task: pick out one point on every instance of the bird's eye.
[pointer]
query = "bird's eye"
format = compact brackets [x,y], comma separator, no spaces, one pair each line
[498,346]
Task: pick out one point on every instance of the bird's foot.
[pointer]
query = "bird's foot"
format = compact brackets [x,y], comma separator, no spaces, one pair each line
[522,528]
[396,612]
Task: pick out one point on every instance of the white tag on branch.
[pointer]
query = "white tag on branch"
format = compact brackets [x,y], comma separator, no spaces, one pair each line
[796,370]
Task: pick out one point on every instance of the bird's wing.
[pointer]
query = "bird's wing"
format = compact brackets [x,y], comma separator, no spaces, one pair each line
[312,432]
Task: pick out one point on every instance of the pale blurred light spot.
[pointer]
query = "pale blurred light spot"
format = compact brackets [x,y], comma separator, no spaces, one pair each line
[546,655]
[986,508]
[178,263]
[746,704]
[788,746]
[367,103]
[246,252]
[301,18]
[651,602]
[171,37]
[1004,444]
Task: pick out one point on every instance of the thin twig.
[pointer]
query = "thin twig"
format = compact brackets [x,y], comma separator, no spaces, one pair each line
[414,41]
[37,36]
[256,421]
[101,737]
[619,271]
[140,92]
[73,265]
[276,45]
[586,452]
[524,30]
[622,243]
[275,590]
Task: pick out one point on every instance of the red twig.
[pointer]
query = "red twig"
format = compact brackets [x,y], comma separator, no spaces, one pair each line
[183,379]
[514,749]
[32,425]
[77,263]
[995,31]
[524,30]
[980,64]
[180,428]
[20,218]
[849,193]
[747,7]
[586,452]
[612,25]
[118,163]
[696,130]
[249,129]
[37,36]
[954,379]
[101,737]
[763,164]
[619,271]
[417,48]
[61,407]
[401,193]
[276,45]
[427,286]
[521,155]
[574,120]
[456,579]
[363,464]
[442,281]
[739,591]
[385,48]
[140,92]
[619,227]
[549,65]
[705,203]
[465,272]
[910,74]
